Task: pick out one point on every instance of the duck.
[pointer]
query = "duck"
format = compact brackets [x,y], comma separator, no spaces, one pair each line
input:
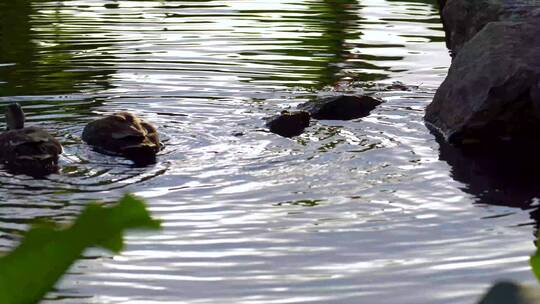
[28,150]
[124,134]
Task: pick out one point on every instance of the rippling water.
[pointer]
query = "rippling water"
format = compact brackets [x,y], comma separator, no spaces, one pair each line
[366,211]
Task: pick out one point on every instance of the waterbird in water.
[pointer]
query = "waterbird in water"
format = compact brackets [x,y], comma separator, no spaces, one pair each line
[31,150]
[124,134]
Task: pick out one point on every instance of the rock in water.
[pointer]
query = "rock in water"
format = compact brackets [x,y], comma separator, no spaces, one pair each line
[289,124]
[344,107]
[463,19]
[511,293]
[492,90]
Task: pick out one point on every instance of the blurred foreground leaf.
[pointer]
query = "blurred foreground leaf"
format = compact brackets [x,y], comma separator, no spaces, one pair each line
[47,251]
[535,264]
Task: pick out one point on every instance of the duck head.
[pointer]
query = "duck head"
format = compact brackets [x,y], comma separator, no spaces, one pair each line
[14,116]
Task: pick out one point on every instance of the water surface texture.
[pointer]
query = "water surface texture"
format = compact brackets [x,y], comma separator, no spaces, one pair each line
[372,210]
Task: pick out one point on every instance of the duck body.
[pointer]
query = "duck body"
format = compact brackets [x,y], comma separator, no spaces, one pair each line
[31,150]
[124,134]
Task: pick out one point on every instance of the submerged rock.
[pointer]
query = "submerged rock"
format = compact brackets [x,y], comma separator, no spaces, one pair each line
[345,107]
[289,124]
[511,293]
[492,90]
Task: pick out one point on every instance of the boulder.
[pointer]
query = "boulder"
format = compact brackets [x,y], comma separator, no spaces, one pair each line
[463,19]
[288,124]
[492,90]
[344,107]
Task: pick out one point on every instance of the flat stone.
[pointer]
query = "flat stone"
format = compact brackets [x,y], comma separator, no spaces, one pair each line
[344,107]
[289,124]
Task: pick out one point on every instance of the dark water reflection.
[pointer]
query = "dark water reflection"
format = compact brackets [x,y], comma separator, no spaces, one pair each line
[500,173]
[357,211]
[40,53]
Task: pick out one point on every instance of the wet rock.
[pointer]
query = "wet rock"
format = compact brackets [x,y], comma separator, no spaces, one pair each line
[511,293]
[441,4]
[492,90]
[345,107]
[111,5]
[463,19]
[289,124]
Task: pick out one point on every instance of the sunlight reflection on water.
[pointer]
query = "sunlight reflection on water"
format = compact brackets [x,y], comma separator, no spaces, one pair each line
[356,211]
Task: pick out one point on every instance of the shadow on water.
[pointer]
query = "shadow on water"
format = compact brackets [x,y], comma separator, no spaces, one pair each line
[337,21]
[501,173]
[40,53]
[326,51]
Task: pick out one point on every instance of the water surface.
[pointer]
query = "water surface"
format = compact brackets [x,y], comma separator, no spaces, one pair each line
[372,210]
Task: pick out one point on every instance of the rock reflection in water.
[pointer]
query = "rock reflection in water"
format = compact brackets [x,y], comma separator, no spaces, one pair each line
[501,173]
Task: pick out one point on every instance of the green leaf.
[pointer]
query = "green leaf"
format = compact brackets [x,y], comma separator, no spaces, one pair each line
[48,250]
[535,264]
[114,243]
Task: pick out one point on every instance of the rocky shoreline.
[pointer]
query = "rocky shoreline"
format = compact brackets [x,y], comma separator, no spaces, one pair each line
[491,95]
[492,91]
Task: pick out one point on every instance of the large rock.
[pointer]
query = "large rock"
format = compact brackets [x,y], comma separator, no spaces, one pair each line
[463,19]
[492,90]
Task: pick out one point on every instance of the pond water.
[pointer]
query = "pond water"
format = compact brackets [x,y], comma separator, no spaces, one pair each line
[372,210]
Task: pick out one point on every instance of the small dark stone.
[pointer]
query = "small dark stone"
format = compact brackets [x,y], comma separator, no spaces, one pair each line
[238,134]
[511,293]
[345,107]
[289,124]
[111,5]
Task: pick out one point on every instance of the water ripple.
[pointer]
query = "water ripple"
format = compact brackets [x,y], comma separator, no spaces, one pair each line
[356,211]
